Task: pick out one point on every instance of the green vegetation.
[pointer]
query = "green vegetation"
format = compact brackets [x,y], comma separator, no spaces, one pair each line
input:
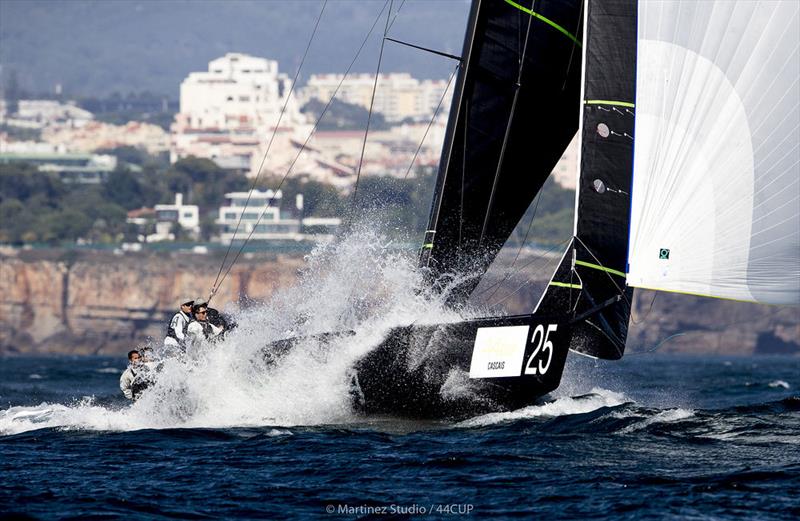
[552,216]
[37,207]
[142,106]
[344,116]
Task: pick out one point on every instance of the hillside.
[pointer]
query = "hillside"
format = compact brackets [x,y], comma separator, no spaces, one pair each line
[96,48]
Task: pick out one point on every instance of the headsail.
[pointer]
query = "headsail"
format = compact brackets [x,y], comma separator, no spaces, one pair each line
[589,285]
[716,191]
[514,111]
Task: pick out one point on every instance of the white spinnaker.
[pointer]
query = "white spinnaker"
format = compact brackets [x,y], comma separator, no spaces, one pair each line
[717,153]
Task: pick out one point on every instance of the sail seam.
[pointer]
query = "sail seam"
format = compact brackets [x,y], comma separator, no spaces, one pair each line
[598,267]
[545,20]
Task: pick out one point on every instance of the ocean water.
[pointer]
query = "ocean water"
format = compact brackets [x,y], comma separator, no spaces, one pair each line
[648,437]
[223,434]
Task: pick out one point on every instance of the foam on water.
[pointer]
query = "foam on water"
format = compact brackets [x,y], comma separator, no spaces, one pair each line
[354,284]
[563,406]
[668,416]
[779,383]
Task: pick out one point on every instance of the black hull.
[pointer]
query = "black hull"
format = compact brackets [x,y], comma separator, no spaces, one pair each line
[424,371]
[442,371]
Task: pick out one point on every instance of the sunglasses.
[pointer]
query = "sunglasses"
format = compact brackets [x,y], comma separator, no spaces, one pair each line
[200,312]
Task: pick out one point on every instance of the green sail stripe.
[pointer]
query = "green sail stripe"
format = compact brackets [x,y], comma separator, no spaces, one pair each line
[428,246]
[608,102]
[598,267]
[566,285]
[545,20]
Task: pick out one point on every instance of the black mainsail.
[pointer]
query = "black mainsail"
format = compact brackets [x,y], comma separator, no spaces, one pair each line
[514,112]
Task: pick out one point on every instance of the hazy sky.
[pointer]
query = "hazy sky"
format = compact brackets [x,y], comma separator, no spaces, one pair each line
[100,46]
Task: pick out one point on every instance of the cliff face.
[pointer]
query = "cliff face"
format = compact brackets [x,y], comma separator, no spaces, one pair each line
[103,303]
[100,303]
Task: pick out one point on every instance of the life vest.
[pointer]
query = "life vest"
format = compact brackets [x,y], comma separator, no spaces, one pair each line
[174,322]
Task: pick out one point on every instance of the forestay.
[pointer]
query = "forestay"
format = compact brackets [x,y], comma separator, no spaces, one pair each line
[716,185]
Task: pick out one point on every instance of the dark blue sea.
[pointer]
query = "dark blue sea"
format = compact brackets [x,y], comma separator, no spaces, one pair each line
[650,437]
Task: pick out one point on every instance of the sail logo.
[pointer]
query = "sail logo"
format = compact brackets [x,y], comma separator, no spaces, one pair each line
[498,351]
[663,254]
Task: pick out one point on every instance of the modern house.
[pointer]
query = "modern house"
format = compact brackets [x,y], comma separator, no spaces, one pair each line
[260,218]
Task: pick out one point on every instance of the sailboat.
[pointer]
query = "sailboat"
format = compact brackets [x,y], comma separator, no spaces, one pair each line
[687,115]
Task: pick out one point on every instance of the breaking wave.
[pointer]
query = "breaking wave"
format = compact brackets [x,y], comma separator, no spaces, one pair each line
[563,406]
[356,284]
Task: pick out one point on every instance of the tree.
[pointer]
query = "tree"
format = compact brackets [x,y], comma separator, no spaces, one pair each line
[128,154]
[344,116]
[124,189]
[12,93]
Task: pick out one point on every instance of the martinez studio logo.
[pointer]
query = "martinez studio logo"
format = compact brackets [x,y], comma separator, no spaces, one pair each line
[663,254]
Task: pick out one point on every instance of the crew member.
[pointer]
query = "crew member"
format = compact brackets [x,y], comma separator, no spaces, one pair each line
[176,331]
[127,382]
[200,328]
[214,317]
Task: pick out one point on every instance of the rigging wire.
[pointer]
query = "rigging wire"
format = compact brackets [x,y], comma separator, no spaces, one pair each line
[529,280]
[308,138]
[522,245]
[214,286]
[430,123]
[521,268]
[369,114]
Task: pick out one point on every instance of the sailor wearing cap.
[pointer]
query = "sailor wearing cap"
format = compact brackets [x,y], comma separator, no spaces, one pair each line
[176,331]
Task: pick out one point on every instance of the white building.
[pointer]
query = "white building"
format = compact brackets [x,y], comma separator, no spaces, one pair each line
[41,113]
[187,215]
[398,95]
[226,112]
[261,219]
[261,215]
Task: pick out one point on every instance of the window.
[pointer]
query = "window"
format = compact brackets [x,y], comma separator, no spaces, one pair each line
[188,215]
[230,216]
[244,98]
[275,228]
[167,215]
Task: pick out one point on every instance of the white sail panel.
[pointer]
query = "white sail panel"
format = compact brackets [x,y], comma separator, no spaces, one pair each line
[716,184]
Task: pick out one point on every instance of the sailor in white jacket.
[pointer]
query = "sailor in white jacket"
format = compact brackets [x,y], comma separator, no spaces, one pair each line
[126,381]
[176,331]
[200,328]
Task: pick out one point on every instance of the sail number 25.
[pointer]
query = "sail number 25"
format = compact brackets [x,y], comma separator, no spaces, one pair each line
[543,347]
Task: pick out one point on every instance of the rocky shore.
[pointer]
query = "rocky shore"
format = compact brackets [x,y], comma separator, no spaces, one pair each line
[68,302]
